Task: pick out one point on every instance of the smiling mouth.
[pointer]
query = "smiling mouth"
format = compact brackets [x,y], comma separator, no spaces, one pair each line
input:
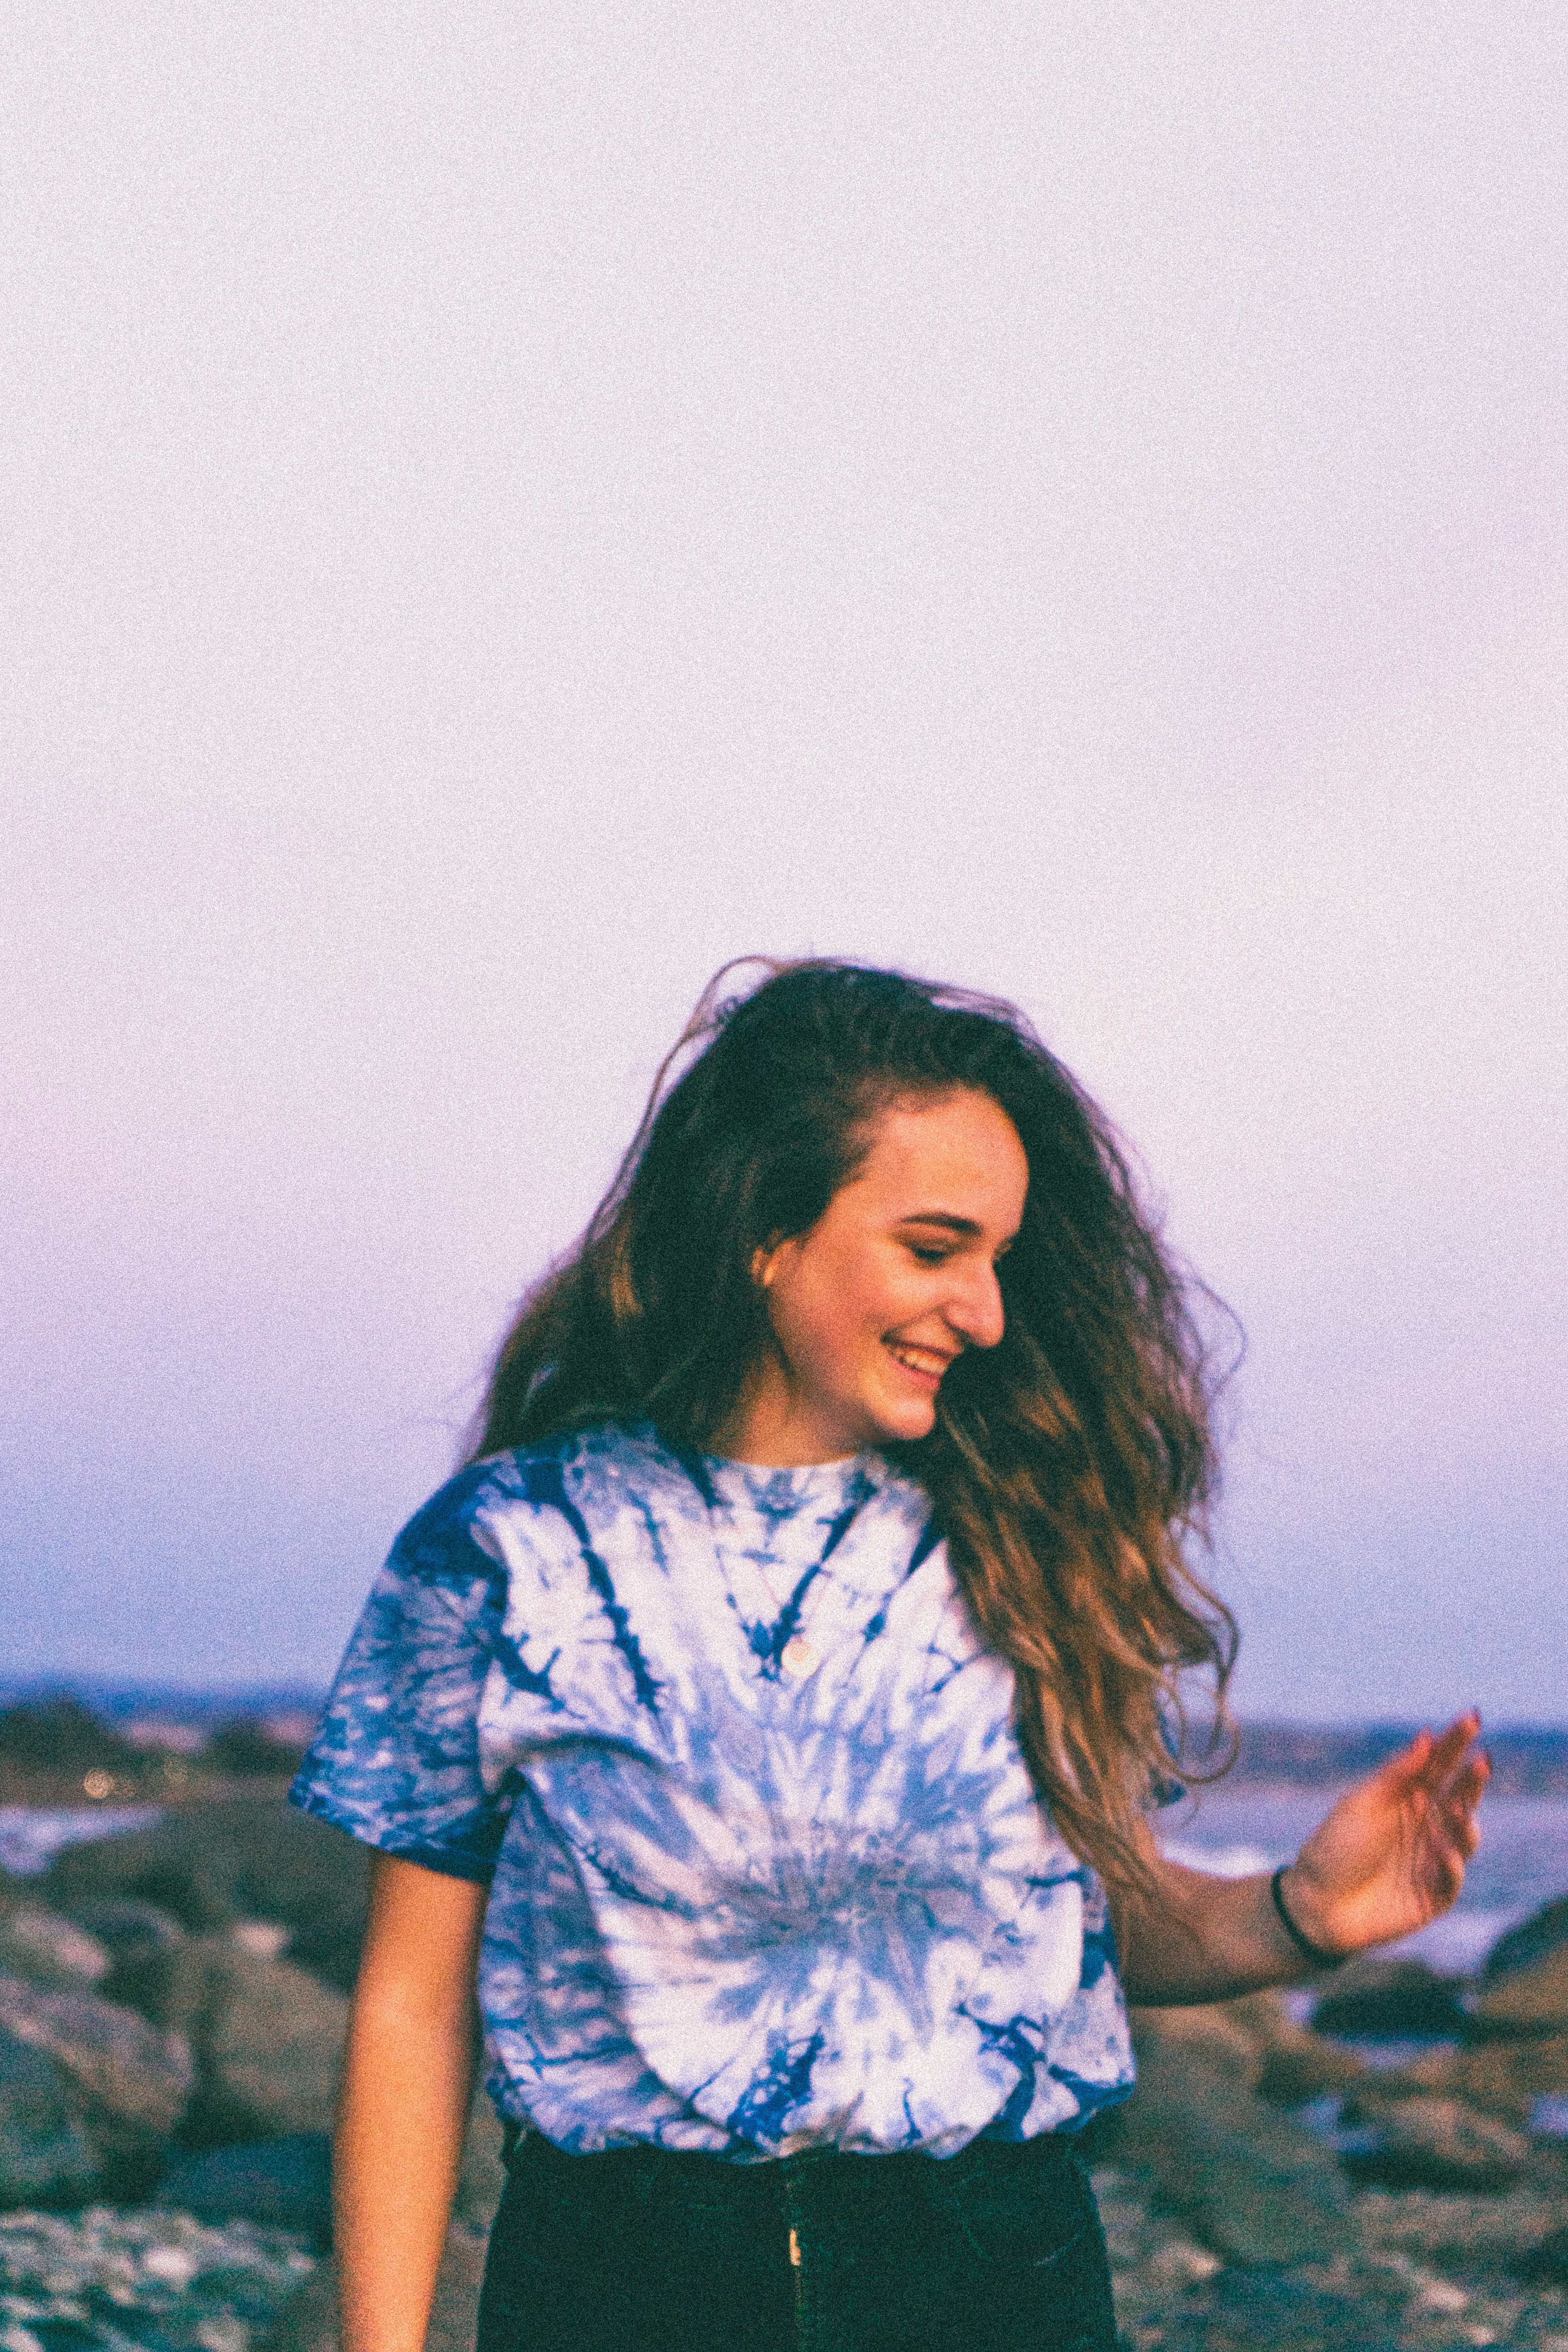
[925,1363]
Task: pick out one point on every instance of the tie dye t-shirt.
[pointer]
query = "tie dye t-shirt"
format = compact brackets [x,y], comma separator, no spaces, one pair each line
[767,1868]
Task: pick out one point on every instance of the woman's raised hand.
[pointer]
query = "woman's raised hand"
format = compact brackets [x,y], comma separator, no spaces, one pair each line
[1392,1853]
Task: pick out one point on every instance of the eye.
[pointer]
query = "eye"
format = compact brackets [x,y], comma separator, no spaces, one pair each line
[927,1256]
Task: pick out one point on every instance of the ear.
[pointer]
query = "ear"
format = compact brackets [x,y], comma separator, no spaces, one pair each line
[762,1266]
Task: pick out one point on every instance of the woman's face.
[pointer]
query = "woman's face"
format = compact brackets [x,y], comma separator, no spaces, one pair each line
[896,1278]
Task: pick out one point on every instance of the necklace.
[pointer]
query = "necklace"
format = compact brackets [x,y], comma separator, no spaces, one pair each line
[786,1644]
[797,1657]
[795,1653]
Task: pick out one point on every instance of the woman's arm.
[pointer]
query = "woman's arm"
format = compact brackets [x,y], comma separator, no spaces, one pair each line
[402,2109]
[1389,1857]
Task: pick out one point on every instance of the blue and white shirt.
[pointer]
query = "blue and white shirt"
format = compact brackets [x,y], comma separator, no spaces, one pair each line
[769,1870]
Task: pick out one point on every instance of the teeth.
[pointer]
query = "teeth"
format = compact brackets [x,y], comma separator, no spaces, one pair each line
[916,1362]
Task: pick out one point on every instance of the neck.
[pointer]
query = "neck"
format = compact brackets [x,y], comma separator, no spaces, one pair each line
[769,1429]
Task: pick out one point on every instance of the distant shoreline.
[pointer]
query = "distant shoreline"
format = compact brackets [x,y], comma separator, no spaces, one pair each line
[192,1702]
[1527,1760]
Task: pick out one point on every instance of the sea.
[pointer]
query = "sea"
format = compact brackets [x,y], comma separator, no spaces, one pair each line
[1521,1864]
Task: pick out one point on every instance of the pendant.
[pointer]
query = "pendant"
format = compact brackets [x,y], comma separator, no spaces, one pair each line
[797,1657]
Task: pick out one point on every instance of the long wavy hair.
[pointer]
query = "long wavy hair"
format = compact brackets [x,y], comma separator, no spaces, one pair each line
[1072,1467]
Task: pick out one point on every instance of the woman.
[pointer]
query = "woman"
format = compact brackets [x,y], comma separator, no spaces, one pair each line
[771,1711]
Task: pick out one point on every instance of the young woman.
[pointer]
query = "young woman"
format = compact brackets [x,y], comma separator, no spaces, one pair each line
[770,1714]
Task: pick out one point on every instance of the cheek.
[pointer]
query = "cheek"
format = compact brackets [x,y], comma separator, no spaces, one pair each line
[828,1325]
[822,1332]
[862,1313]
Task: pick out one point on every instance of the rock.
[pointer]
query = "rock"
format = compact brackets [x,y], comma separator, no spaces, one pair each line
[56,1734]
[1293,2065]
[1434,2074]
[1256,2039]
[46,2157]
[309,2321]
[129,2081]
[1218,2031]
[1389,1998]
[270,2046]
[1253,2184]
[1546,2262]
[1531,1999]
[285,2184]
[113,2282]
[1292,2073]
[1533,1940]
[267,2036]
[269,1938]
[454,2315]
[310,2324]
[1246,2313]
[1549,2119]
[186,1864]
[483,2176]
[1505,2078]
[47,1949]
[247,1748]
[243,1858]
[1433,2143]
[126,1928]
[115,2059]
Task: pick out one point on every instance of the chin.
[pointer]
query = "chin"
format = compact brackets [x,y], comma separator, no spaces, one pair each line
[905,1424]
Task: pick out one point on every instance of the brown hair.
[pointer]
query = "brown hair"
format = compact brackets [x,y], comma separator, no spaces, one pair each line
[1069,1465]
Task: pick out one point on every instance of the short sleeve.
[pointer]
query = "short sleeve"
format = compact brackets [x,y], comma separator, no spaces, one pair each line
[395,1762]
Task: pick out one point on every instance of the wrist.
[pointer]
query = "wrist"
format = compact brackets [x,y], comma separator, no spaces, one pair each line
[1300,1922]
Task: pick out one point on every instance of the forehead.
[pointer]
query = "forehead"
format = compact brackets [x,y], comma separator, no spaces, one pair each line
[957,1152]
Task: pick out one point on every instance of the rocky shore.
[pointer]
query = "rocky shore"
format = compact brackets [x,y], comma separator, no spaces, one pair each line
[172,2003]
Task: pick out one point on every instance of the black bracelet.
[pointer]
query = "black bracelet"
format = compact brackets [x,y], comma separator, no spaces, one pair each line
[1304,1944]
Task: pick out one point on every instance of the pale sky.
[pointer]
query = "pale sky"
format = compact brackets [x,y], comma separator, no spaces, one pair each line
[504,512]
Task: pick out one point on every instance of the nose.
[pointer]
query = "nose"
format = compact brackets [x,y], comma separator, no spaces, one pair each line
[974,1308]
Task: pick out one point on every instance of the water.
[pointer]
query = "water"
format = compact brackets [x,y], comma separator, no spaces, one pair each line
[1521,1864]
[31,1835]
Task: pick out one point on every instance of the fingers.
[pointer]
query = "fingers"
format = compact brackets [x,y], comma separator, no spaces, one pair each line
[1449,1746]
[1459,1826]
[1452,1831]
[1461,1799]
[1435,1759]
[1466,1784]
[1411,1764]
[1459,1842]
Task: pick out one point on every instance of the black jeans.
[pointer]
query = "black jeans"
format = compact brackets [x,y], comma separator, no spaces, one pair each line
[642,2250]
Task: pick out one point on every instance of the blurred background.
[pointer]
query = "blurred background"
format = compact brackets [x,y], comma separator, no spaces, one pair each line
[507,512]
[507,509]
